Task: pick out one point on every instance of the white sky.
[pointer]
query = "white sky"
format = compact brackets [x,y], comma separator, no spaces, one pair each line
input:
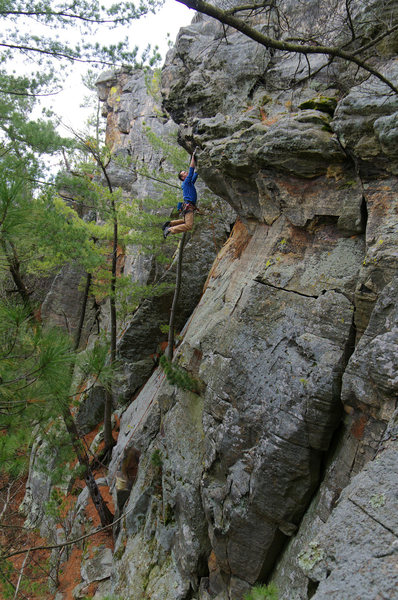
[152,29]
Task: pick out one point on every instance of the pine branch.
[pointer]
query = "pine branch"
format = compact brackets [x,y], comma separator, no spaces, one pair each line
[11,583]
[28,95]
[60,14]
[58,54]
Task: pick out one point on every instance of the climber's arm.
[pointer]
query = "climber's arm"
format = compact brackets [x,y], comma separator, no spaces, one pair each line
[192,176]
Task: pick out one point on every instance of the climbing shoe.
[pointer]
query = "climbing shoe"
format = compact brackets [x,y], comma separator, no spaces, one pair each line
[165,225]
[166,232]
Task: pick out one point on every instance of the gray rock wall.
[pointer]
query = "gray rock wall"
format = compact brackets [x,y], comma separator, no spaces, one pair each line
[290,441]
[132,106]
[129,109]
[282,466]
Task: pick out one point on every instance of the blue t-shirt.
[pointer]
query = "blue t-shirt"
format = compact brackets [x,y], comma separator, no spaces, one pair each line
[188,188]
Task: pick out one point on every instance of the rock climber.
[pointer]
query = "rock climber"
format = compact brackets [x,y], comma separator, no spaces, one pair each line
[188,206]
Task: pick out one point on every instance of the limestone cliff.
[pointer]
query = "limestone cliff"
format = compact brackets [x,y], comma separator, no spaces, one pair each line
[284,465]
[130,110]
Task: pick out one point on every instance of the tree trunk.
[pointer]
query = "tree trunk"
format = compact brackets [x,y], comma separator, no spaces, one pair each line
[82,312]
[105,515]
[103,511]
[169,353]
[14,266]
[108,437]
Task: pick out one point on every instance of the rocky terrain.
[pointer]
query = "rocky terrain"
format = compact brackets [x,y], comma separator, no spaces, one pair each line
[283,467]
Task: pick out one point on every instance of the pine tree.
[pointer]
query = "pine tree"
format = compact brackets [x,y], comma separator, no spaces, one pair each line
[37,234]
[124,221]
[36,370]
[43,42]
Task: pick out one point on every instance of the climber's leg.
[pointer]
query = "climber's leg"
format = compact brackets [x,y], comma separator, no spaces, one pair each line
[176,222]
[182,225]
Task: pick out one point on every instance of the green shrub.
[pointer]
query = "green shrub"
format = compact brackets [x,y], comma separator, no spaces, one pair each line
[176,375]
[156,458]
[263,592]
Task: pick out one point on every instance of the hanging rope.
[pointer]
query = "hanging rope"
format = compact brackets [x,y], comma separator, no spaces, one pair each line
[169,352]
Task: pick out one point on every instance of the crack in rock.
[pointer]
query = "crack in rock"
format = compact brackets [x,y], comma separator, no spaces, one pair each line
[258,280]
[276,287]
[372,517]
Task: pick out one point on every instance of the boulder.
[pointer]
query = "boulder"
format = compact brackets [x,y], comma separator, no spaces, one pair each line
[97,565]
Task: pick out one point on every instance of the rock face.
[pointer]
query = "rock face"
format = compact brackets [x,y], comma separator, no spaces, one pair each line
[62,304]
[365,556]
[143,334]
[369,390]
[131,106]
[265,430]
[130,109]
[283,465]
[293,341]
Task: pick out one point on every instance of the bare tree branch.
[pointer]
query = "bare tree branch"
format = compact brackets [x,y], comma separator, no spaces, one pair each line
[376,40]
[69,543]
[301,48]
[350,23]
[252,7]
[20,575]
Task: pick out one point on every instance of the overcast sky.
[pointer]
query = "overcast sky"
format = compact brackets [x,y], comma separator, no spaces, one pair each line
[152,29]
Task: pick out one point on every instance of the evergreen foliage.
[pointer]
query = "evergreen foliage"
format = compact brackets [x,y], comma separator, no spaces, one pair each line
[39,234]
[42,43]
[35,377]
[176,156]
[46,222]
[178,376]
[138,223]
[156,458]
[263,592]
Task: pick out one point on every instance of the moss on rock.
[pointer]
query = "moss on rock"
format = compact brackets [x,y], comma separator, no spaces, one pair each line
[322,103]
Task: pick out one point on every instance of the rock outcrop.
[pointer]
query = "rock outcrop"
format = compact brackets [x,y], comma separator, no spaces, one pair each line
[281,464]
[293,340]
[140,336]
[131,104]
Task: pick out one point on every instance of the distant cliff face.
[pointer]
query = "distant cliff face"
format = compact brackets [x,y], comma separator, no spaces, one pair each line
[285,464]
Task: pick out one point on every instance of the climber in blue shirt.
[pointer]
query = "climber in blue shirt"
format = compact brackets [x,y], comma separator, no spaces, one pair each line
[188,206]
